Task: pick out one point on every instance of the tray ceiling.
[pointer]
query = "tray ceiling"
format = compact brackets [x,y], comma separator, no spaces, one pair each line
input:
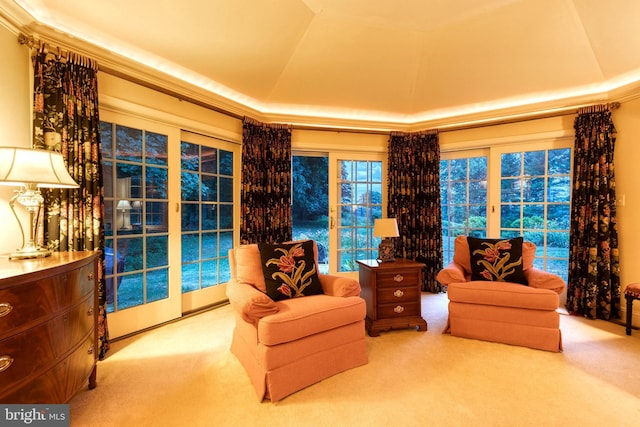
[397,62]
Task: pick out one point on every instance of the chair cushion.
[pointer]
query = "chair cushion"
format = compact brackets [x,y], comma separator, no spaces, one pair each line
[497,259]
[289,269]
[503,294]
[300,317]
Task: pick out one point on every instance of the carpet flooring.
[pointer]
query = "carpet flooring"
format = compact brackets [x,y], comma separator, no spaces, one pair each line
[182,374]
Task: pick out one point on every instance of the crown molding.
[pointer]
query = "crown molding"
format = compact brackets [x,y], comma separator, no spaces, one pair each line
[120,66]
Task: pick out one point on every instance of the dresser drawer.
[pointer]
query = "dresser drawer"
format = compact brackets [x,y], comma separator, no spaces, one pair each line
[59,383]
[387,311]
[395,279]
[27,304]
[29,353]
[398,294]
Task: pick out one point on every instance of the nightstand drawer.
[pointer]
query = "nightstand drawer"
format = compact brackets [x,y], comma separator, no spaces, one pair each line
[386,311]
[398,294]
[398,278]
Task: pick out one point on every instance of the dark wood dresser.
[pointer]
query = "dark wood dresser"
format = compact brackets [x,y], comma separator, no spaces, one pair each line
[392,291]
[48,327]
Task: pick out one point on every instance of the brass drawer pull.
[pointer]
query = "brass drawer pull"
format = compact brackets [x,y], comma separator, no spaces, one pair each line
[398,293]
[398,309]
[5,362]
[91,276]
[90,311]
[90,350]
[398,278]
[5,308]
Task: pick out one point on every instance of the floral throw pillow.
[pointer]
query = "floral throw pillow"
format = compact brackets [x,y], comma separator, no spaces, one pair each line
[289,270]
[498,260]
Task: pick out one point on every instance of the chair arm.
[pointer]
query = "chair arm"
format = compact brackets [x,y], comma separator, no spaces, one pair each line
[339,286]
[249,302]
[452,273]
[544,280]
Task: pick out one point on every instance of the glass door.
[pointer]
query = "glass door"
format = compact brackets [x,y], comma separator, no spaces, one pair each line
[336,198]
[535,202]
[140,283]
[508,191]
[207,213]
[356,193]
[310,202]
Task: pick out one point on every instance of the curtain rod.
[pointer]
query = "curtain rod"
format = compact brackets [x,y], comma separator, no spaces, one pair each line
[33,43]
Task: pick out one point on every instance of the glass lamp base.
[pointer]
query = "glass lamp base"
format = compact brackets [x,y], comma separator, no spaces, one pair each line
[27,253]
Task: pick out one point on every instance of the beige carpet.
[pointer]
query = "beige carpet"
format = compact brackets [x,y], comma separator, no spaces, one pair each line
[183,374]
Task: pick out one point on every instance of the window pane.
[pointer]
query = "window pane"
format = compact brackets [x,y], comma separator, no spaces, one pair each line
[209,190]
[226,162]
[157,251]
[510,164]
[156,148]
[157,285]
[156,183]
[534,163]
[559,189]
[560,161]
[209,160]
[190,247]
[128,144]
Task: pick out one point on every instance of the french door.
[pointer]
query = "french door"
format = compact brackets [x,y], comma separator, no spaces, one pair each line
[140,228]
[508,191]
[348,189]
[170,204]
[207,212]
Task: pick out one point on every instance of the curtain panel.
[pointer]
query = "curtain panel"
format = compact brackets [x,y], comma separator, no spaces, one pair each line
[593,287]
[414,200]
[66,120]
[266,183]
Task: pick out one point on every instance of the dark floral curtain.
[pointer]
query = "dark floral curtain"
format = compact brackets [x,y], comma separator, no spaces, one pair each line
[66,120]
[593,288]
[266,183]
[414,200]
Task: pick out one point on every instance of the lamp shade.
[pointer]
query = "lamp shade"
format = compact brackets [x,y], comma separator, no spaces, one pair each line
[123,205]
[42,168]
[385,227]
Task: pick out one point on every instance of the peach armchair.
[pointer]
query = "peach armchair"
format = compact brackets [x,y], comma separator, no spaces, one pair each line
[287,345]
[510,313]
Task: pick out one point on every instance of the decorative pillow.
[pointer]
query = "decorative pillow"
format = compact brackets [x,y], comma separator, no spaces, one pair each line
[498,260]
[289,270]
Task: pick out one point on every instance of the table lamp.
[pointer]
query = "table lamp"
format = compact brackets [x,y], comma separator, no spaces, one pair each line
[32,169]
[386,228]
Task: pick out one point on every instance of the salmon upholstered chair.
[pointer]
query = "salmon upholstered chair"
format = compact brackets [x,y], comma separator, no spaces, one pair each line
[520,312]
[286,343]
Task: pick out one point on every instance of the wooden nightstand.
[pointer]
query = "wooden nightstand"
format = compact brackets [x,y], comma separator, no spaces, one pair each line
[392,293]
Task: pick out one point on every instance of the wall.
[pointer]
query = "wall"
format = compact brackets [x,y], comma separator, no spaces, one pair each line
[118,94]
[15,124]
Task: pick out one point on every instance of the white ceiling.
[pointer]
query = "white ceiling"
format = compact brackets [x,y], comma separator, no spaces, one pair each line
[401,62]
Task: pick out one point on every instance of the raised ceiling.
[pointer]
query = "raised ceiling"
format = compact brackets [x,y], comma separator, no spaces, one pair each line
[396,63]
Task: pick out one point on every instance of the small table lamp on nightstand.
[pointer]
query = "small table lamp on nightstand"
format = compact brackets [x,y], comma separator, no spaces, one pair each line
[386,228]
